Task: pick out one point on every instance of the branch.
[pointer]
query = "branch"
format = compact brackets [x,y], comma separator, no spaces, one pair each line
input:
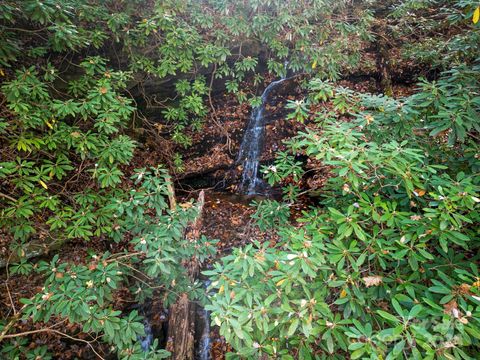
[214,116]
[49,330]
[7,197]
[12,322]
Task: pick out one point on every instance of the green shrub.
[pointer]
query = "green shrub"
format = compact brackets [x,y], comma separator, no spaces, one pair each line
[84,293]
[385,266]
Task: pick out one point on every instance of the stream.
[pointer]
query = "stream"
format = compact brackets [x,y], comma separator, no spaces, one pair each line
[202,331]
[147,340]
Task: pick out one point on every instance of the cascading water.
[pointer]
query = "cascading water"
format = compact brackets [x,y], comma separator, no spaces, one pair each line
[202,331]
[147,340]
[251,147]
[203,347]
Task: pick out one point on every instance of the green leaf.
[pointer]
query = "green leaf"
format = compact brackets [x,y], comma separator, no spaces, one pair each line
[293,327]
[388,316]
[357,353]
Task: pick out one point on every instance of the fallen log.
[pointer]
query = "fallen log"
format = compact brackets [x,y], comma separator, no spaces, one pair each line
[33,249]
[181,323]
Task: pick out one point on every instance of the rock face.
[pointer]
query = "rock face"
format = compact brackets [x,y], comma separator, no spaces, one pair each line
[156,89]
[211,160]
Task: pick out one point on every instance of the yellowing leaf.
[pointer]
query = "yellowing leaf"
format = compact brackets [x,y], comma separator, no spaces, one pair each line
[2,72]
[221,289]
[281,282]
[314,65]
[476,15]
[43,184]
[343,293]
[419,192]
[372,280]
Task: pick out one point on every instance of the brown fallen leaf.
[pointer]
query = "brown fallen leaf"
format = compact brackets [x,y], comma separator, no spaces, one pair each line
[464,289]
[186,205]
[451,308]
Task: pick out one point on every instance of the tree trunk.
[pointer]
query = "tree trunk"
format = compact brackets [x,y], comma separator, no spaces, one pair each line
[383,58]
[384,69]
[181,329]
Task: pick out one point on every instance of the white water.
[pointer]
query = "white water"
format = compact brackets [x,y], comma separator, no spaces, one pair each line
[203,346]
[202,331]
[147,340]
[251,147]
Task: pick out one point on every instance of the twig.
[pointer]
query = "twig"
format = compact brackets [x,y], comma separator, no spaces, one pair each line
[12,322]
[7,287]
[123,256]
[214,116]
[55,332]
[8,197]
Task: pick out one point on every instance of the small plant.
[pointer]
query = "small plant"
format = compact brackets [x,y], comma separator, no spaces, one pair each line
[320,90]
[300,110]
[285,165]
[270,213]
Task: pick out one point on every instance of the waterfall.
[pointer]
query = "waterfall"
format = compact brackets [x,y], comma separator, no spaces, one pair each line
[251,147]
[202,331]
[147,340]
[204,341]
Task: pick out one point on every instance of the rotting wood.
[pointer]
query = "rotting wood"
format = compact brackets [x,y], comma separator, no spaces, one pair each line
[181,329]
[32,250]
[181,323]
[171,194]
